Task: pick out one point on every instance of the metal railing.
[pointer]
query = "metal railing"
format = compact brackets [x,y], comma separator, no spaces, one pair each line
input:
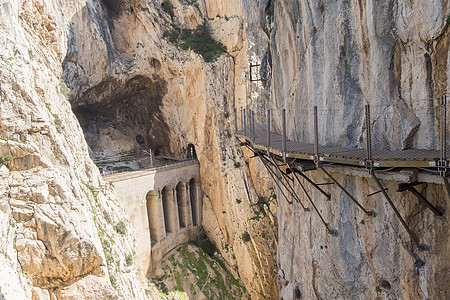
[399,130]
[177,164]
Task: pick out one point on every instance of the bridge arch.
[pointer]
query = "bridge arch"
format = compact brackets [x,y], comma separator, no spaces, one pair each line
[168,209]
[194,193]
[152,215]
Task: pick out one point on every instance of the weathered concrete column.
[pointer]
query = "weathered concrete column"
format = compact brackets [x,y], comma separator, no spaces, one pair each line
[182,201]
[188,206]
[195,201]
[168,209]
[152,216]
[161,221]
[175,210]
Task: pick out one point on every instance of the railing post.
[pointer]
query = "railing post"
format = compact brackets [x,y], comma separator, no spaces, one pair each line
[283,147]
[235,120]
[245,123]
[443,130]
[268,132]
[369,162]
[316,139]
[253,126]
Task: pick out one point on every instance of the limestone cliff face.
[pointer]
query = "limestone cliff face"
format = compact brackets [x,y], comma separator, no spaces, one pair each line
[131,86]
[64,234]
[341,55]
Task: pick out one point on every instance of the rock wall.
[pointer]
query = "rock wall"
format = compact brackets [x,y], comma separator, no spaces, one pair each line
[64,233]
[341,55]
[131,86]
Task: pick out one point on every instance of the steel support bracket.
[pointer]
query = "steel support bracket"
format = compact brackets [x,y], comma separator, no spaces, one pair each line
[399,216]
[369,213]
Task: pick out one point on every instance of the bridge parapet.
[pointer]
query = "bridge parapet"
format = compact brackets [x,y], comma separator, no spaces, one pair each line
[164,207]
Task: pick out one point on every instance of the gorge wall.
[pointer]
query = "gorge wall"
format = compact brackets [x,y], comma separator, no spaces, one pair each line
[341,55]
[102,77]
[131,89]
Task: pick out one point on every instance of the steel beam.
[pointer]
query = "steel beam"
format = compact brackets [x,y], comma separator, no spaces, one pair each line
[290,189]
[369,213]
[330,231]
[315,185]
[399,216]
[410,187]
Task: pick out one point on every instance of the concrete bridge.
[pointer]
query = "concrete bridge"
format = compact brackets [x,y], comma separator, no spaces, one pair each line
[164,207]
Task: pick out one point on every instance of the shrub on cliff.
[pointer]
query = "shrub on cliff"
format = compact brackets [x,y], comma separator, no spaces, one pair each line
[199,40]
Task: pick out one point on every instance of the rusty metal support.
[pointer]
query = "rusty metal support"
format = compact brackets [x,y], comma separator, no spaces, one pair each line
[283,145]
[288,186]
[268,132]
[316,139]
[399,216]
[410,187]
[374,193]
[435,210]
[330,231]
[271,172]
[447,185]
[315,185]
[273,175]
[369,213]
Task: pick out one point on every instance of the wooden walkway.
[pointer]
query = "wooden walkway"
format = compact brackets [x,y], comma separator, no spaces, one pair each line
[418,158]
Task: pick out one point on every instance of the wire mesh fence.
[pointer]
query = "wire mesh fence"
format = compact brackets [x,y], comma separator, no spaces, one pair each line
[410,130]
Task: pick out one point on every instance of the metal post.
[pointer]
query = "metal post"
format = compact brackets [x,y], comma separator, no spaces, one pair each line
[369,164]
[369,213]
[316,139]
[245,122]
[443,131]
[330,231]
[399,216]
[283,116]
[253,126]
[235,120]
[315,185]
[268,132]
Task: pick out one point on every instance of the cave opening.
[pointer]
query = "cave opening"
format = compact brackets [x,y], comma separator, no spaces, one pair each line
[124,119]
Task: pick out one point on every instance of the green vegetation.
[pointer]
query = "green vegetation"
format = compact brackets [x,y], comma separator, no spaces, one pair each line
[5,159]
[238,201]
[206,245]
[448,19]
[246,237]
[122,169]
[57,122]
[199,40]
[297,293]
[168,8]
[237,164]
[120,228]
[194,270]
[128,260]
[63,89]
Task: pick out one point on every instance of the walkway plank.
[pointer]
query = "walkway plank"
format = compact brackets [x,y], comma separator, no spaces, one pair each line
[336,154]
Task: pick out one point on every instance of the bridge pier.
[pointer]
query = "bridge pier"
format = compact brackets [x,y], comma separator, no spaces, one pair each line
[164,207]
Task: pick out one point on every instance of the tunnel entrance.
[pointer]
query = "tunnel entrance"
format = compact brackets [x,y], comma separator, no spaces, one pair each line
[121,118]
